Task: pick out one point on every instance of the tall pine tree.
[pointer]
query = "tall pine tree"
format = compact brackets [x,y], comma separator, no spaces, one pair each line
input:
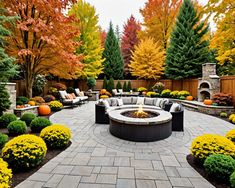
[129,40]
[188,50]
[7,68]
[113,64]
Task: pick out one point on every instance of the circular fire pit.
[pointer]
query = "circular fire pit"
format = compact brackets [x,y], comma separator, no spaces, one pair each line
[137,129]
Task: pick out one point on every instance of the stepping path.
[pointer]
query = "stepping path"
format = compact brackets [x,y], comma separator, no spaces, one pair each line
[97,159]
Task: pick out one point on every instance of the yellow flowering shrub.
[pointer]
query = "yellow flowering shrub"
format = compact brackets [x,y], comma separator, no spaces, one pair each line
[232,118]
[5,174]
[25,151]
[207,144]
[55,105]
[150,93]
[183,93]
[231,135]
[56,135]
[174,94]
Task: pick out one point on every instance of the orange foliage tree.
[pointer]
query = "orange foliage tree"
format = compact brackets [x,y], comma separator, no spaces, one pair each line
[42,40]
[159,18]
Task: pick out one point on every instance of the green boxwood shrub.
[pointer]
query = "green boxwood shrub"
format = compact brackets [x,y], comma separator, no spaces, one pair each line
[38,124]
[232,180]
[5,119]
[223,114]
[70,90]
[220,166]
[22,100]
[28,118]
[17,127]
[3,139]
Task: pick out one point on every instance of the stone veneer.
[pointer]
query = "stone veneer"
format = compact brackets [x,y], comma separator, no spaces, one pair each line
[209,84]
[12,91]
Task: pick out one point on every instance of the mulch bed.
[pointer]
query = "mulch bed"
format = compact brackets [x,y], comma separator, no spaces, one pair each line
[200,169]
[18,177]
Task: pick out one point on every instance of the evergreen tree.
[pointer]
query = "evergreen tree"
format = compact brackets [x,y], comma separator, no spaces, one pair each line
[105,83]
[187,50]
[125,87]
[119,85]
[7,68]
[118,34]
[113,64]
[129,86]
[91,46]
[110,85]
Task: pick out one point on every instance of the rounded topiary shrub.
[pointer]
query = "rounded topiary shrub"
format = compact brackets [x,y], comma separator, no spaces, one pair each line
[25,151]
[5,174]
[231,135]
[17,127]
[3,139]
[5,119]
[27,118]
[56,136]
[208,144]
[38,124]
[220,166]
[232,180]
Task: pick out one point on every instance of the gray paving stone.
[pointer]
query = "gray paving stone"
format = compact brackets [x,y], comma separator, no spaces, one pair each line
[86,185]
[98,152]
[181,182]
[145,183]
[69,181]
[40,177]
[171,171]
[150,174]
[54,181]
[141,164]
[81,159]
[109,170]
[169,160]
[122,161]
[106,178]
[126,172]
[157,165]
[30,184]
[187,172]
[82,170]
[62,169]
[163,184]
[125,183]
[89,179]
[101,161]
[96,169]
[199,183]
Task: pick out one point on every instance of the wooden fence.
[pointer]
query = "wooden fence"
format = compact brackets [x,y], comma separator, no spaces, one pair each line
[227,85]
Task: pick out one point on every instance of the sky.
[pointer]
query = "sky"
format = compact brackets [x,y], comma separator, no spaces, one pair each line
[119,11]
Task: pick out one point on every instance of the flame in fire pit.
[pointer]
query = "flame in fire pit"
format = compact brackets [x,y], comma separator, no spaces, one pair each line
[141,113]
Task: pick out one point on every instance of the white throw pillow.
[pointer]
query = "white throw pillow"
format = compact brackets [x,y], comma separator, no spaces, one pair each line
[158,103]
[106,104]
[114,91]
[140,100]
[119,102]
[175,107]
[63,94]
[77,91]
[120,90]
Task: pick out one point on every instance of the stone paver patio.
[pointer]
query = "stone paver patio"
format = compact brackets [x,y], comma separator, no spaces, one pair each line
[97,159]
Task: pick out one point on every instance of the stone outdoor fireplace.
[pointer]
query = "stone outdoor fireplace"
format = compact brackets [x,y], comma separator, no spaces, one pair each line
[209,84]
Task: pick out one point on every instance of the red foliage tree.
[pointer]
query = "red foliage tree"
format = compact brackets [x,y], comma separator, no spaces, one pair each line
[43,39]
[103,35]
[129,40]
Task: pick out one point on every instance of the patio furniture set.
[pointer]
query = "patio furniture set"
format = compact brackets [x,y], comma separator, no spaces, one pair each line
[170,117]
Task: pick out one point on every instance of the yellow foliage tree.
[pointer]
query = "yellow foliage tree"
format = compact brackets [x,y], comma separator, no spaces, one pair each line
[147,60]
[224,37]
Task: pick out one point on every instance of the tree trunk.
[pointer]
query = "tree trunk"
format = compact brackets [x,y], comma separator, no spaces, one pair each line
[29,86]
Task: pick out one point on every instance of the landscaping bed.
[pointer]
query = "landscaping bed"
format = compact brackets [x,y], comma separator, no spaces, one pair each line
[201,170]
